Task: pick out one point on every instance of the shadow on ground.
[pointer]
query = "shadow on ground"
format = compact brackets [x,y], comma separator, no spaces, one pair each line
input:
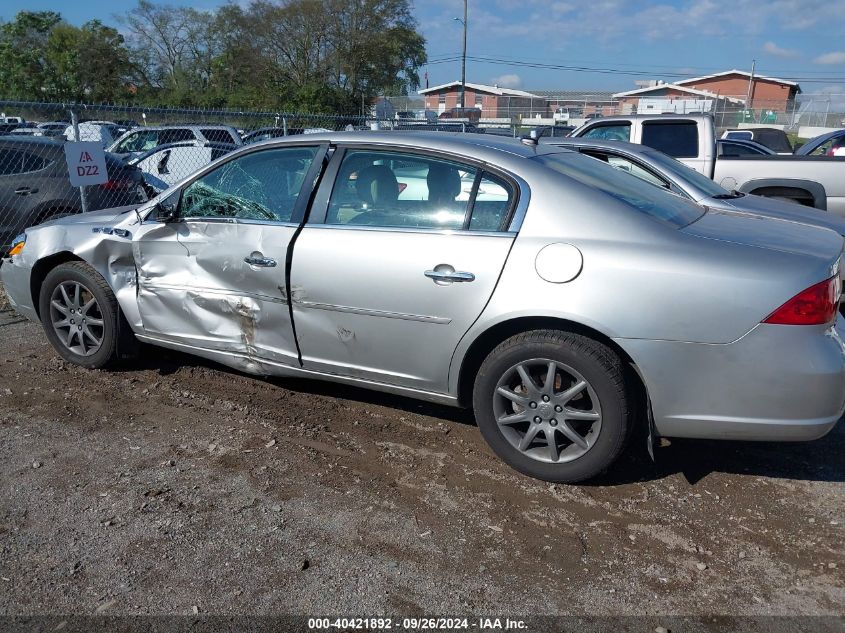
[820,460]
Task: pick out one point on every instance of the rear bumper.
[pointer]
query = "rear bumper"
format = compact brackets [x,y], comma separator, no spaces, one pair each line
[777,383]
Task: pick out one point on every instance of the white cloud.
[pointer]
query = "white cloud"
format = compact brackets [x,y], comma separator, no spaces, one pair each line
[836,57]
[773,49]
[507,81]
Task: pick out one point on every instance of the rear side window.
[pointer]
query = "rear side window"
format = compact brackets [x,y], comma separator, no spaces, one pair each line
[640,195]
[33,162]
[174,136]
[15,161]
[678,139]
[610,131]
[395,190]
[746,136]
[218,136]
[735,149]
[11,162]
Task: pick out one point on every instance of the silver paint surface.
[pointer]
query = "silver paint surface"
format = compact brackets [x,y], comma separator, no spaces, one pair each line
[685,304]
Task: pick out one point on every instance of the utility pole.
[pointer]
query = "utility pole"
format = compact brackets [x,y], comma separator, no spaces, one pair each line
[464,57]
[750,94]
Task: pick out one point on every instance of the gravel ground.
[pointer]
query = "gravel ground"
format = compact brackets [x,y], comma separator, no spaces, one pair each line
[176,486]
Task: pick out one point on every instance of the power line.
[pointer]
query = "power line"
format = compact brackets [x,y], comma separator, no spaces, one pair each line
[607,71]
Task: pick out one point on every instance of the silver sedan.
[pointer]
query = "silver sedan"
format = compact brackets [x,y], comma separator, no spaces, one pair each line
[570,305]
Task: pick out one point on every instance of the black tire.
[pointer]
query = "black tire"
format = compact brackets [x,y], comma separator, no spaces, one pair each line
[114,328]
[602,370]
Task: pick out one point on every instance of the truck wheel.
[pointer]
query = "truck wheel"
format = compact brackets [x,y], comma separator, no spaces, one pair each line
[80,315]
[553,405]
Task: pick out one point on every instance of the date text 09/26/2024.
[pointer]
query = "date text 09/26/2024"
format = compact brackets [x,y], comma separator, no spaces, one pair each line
[417,624]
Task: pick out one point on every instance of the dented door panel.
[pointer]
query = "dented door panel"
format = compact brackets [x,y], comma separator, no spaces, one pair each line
[364,307]
[195,288]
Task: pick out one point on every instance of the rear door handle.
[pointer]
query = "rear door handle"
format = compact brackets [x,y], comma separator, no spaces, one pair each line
[25,191]
[455,275]
[262,262]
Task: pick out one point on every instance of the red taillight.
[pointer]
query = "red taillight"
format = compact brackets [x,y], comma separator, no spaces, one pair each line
[117,185]
[816,305]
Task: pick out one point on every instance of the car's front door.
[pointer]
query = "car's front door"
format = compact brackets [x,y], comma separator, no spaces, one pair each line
[215,277]
[399,258]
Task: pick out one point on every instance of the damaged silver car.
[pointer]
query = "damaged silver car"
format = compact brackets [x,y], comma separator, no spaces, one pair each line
[566,302]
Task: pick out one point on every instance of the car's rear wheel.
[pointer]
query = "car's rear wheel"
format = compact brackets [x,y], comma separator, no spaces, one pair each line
[80,315]
[553,405]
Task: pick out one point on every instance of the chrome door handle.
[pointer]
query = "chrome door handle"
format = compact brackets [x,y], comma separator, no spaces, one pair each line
[262,262]
[25,191]
[442,275]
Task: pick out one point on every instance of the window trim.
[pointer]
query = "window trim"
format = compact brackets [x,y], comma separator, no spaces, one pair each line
[511,220]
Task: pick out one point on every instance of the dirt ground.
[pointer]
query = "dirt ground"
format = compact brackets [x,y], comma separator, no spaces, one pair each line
[177,486]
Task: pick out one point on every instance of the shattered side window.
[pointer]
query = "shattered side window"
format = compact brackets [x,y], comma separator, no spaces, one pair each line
[257,186]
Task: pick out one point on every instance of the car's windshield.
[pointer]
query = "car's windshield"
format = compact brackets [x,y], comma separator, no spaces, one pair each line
[687,174]
[642,196]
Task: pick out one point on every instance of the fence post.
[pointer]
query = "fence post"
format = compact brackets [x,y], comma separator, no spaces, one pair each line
[285,125]
[82,195]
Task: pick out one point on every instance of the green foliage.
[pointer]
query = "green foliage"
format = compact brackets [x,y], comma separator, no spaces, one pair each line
[322,56]
[48,59]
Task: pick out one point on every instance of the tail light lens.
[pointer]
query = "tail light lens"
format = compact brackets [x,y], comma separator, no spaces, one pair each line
[816,305]
[118,184]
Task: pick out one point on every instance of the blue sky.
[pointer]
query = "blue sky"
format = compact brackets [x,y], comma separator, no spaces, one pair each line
[649,39]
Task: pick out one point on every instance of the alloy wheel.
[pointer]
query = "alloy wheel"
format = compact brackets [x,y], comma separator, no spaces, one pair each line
[76,318]
[547,410]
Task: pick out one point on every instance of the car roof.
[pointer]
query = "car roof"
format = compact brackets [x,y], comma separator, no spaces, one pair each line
[33,142]
[598,143]
[476,145]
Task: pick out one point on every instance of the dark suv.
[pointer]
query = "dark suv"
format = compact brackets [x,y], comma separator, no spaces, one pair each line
[35,187]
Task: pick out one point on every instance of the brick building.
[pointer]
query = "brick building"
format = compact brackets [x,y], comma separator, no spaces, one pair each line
[493,101]
[767,93]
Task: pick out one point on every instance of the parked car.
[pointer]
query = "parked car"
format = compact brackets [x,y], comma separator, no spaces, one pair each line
[546,131]
[124,125]
[830,144]
[35,187]
[737,147]
[102,132]
[166,165]
[815,181]
[473,115]
[140,140]
[664,171]
[583,304]
[53,129]
[265,133]
[771,137]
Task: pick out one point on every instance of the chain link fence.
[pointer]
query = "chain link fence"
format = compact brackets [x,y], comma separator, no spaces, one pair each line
[150,148]
[147,150]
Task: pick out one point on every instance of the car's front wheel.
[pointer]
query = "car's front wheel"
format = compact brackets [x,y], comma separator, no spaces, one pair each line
[80,315]
[553,405]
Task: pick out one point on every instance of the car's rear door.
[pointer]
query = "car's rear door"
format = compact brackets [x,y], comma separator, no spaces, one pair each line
[401,254]
[215,278]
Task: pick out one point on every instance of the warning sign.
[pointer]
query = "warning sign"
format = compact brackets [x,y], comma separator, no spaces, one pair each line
[86,163]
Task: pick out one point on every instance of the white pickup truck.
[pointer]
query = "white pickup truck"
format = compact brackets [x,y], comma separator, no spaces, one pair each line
[815,181]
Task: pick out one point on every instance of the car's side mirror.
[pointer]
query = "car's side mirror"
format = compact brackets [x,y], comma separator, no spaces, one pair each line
[167,210]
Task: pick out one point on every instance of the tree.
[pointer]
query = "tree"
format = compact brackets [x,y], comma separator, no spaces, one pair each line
[46,58]
[22,45]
